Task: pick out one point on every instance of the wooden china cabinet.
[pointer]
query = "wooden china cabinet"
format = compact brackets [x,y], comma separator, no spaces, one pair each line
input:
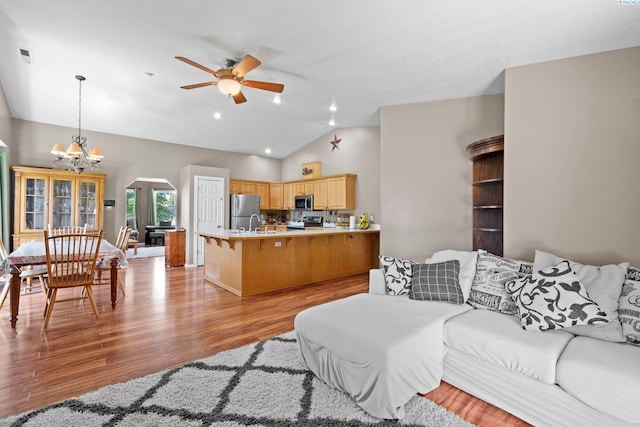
[57,197]
[488,174]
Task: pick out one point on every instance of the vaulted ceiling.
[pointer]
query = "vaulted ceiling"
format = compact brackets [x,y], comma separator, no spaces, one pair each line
[358,55]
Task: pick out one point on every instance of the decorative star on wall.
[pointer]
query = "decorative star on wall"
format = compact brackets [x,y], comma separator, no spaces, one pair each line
[335,142]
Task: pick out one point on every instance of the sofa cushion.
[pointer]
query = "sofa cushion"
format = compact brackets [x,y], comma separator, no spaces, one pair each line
[437,282]
[492,272]
[554,298]
[629,310]
[498,338]
[397,274]
[604,285]
[467,259]
[603,375]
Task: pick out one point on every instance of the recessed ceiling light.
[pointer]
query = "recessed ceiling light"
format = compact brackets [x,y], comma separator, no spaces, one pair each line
[332,122]
[277,99]
[217,115]
[333,107]
[268,150]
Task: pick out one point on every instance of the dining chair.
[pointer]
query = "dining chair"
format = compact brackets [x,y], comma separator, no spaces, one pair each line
[25,275]
[69,229]
[71,263]
[121,243]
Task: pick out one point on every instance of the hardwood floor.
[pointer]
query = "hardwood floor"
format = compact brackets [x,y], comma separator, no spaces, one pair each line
[167,318]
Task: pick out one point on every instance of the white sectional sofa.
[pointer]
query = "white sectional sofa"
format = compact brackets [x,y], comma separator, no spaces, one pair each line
[559,377]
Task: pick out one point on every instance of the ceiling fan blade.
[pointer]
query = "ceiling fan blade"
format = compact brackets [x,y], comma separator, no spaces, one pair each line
[239,98]
[273,87]
[247,64]
[197,85]
[195,64]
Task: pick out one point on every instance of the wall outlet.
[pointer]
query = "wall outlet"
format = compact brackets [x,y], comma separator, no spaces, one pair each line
[278,244]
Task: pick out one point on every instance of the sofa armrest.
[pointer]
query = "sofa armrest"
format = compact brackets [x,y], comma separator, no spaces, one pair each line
[376,282]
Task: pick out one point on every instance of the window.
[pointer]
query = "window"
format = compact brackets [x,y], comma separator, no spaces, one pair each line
[165,204]
[131,203]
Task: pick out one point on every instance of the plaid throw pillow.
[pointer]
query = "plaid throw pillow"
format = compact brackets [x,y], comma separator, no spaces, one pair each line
[437,282]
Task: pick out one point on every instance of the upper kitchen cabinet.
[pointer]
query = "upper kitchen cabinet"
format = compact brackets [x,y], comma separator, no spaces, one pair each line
[60,198]
[289,191]
[263,190]
[304,188]
[276,199]
[320,200]
[341,192]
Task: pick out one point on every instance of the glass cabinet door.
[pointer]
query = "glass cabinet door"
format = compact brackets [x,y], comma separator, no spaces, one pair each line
[87,204]
[61,214]
[35,203]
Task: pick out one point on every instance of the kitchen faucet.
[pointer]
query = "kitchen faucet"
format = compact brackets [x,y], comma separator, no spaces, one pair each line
[251,219]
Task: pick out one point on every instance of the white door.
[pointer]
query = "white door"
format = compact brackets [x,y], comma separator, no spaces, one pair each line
[209,209]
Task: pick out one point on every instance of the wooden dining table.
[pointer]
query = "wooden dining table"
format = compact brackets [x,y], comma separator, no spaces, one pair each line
[34,253]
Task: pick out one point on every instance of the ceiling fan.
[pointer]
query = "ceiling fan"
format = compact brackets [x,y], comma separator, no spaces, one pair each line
[231,77]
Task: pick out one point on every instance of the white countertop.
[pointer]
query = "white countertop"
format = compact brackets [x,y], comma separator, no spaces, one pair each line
[235,234]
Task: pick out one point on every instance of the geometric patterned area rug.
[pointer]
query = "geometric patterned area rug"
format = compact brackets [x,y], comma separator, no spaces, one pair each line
[260,384]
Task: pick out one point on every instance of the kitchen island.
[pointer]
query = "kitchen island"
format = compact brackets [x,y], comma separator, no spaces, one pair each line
[253,263]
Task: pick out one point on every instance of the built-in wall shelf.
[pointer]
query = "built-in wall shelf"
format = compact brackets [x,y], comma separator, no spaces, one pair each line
[487,187]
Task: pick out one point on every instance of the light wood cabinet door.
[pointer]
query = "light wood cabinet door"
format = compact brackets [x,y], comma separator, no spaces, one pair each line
[276,196]
[263,190]
[57,197]
[247,187]
[320,200]
[289,195]
[304,188]
[234,186]
[341,192]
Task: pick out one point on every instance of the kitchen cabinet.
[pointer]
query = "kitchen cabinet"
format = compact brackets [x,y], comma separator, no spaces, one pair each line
[174,242]
[234,186]
[263,190]
[487,189]
[57,197]
[320,200]
[247,187]
[276,196]
[259,188]
[341,192]
[304,188]
[334,192]
[289,189]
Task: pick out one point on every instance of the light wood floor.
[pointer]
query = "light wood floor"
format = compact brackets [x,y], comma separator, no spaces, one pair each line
[167,318]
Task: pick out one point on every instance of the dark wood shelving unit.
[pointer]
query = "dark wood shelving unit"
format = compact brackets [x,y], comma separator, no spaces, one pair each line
[487,156]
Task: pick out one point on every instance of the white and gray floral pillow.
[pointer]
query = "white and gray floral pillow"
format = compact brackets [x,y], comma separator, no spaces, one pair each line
[397,274]
[554,298]
[629,310]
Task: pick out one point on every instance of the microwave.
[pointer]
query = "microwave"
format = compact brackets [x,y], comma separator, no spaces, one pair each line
[304,203]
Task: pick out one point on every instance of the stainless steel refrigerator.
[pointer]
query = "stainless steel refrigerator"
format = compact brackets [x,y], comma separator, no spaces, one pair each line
[242,207]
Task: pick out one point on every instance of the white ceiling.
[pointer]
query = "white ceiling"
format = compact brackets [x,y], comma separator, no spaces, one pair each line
[358,54]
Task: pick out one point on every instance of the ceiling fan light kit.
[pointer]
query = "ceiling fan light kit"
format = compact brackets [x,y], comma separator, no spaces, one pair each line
[230,79]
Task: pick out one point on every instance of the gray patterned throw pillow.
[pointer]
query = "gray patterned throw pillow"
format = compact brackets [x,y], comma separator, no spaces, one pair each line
[629,310]
[397,274]
[437,282]
[554,298]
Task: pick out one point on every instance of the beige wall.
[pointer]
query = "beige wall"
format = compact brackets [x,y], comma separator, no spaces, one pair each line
[425,173]
[359,153]
[128,158]
[572,152]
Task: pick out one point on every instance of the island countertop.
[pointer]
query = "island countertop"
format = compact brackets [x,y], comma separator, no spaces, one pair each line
[251,263]
[239,235]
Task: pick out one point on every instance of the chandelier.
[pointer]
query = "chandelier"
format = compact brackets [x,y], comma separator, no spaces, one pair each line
[76,158]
